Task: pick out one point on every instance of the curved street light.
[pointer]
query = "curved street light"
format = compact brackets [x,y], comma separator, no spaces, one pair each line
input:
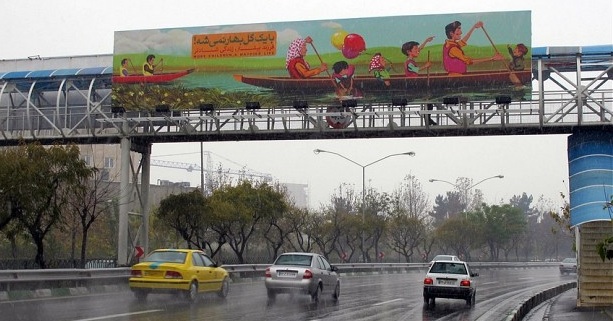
[318,151]
[465,189]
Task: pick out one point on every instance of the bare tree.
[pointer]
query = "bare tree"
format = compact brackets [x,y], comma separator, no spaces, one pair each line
[87,202]
[409,218]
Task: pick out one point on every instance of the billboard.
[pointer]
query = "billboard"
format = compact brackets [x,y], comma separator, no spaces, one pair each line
[372,60]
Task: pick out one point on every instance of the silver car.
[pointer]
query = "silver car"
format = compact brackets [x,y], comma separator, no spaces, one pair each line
[568,265]
[306,273]
[444,257]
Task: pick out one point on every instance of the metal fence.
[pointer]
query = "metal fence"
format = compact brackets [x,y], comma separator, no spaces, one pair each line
[30,264]
[30,280]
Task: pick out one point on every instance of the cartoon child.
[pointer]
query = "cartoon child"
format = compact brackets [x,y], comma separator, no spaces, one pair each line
[412,49]
[377,67]
[123,70]
[150,67]
[455,61]
[295,62]
[517,56]
[343,77]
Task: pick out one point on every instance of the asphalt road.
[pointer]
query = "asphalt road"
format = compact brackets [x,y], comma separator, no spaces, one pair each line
[363,298]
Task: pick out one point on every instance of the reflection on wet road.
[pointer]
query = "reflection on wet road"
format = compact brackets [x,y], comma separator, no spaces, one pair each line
[369,297]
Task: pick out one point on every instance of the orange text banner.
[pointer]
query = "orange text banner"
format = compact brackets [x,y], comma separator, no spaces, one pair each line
[237,44]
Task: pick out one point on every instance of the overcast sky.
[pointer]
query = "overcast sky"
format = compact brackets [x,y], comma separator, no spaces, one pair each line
[536,165]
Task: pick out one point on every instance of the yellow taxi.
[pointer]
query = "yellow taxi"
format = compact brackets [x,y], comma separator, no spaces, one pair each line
[183,271]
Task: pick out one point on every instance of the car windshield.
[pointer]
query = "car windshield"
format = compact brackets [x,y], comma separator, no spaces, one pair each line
[294,259]
[166,256]
[448,267]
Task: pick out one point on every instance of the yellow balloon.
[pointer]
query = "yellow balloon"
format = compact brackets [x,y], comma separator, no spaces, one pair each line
[338,38]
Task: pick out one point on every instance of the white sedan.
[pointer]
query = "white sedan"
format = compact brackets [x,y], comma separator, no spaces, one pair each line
[450,280]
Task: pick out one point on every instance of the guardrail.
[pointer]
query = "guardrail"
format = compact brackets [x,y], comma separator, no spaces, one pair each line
[24,280]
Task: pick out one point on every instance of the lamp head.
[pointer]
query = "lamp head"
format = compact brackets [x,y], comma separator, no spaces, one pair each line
[500,176]
[431,180]
[409,153]
[317,151]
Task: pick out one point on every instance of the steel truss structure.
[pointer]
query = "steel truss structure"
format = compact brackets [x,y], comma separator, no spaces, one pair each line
[573,89]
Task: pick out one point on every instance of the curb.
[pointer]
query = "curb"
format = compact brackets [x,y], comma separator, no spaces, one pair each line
[57,292]
[522,310]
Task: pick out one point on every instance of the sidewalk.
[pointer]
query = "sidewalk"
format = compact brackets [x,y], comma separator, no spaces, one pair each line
[564,308]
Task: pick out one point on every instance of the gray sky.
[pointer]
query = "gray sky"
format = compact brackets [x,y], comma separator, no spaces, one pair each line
[533,164]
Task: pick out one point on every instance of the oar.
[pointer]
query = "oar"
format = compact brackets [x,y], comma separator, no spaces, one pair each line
[328,72]
[321,61]
[161,63]
[513,77]
[391,64]
[428,71]
[133,68]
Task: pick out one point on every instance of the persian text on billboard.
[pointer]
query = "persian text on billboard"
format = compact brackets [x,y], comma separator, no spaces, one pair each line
[238,44]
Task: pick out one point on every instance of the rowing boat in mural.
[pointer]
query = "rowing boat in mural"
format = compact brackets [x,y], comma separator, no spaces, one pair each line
[153,79]
[370,84]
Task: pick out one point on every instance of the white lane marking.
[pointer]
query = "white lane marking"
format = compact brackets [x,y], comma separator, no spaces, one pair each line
[486,283]
[119,315]
[386,302]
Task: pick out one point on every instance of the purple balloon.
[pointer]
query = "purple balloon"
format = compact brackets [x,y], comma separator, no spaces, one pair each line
[348,53]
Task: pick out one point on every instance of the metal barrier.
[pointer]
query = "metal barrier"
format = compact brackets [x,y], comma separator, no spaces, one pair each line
[20,280]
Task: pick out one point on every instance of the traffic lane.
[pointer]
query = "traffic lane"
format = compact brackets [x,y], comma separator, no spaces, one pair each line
[376,297]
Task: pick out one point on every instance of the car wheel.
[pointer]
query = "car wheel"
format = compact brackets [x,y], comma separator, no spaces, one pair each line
[225,288]
[316,295]
[337,291]
[271,294]
[192,293]
[470,300]
[140,295]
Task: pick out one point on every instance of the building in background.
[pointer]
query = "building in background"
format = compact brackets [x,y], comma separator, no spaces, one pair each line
[107,158]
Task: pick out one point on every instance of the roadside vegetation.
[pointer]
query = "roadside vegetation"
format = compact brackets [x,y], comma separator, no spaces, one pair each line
[55,207]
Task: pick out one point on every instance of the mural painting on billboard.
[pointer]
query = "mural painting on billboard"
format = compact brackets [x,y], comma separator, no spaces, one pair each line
[370,60]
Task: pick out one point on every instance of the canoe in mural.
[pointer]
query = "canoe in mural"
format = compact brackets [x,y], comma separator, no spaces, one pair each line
[368,83]
[153,79]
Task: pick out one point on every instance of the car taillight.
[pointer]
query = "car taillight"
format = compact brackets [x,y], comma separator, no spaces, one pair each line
[428,281]
[172,275]
[137,273]
[307,274]
[267,273]
[465,283]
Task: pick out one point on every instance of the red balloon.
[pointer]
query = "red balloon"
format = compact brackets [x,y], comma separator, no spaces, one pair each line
[354,42]
[349,54]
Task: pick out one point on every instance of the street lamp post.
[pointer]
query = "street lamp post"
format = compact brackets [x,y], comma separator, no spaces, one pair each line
[317,151]
[465,190]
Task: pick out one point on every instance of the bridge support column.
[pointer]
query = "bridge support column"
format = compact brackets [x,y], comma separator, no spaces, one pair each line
[590,169]
[123,255]
[144,183]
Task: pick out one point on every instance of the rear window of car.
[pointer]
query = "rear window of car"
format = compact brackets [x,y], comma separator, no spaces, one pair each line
[166,256]
[569,260]
[294,259]
[443,258]
[448,268]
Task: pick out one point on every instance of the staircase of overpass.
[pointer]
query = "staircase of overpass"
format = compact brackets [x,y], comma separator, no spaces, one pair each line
[68,100]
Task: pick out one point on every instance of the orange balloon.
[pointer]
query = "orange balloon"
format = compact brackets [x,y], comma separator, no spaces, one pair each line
[338,39]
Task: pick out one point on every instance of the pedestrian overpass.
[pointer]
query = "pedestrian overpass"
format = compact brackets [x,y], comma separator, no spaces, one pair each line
[68,100]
